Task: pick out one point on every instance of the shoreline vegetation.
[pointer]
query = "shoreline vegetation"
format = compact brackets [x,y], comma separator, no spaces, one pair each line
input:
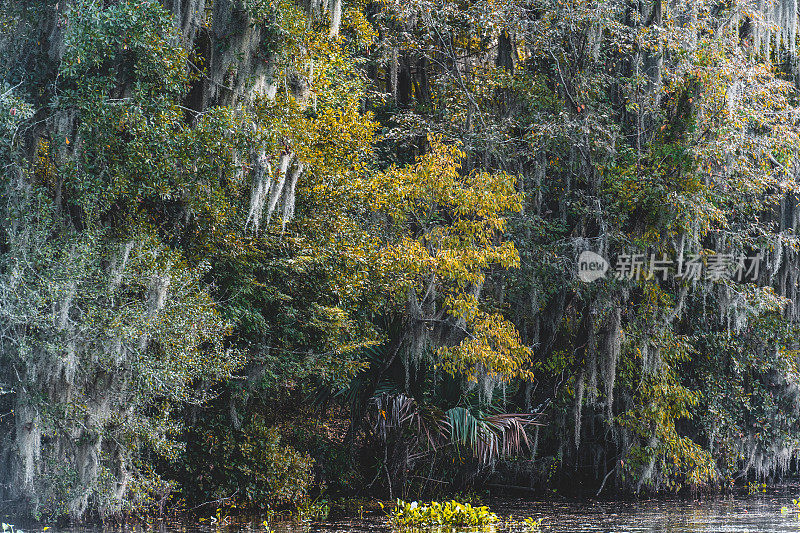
[493,514]
[475,511]
[259,254]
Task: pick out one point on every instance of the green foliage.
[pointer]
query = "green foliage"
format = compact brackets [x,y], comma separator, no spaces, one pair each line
[149,493]
[314,510]
[14,112]
[125,40]
[249,464]
[113,325]
[440,514]
[427,178]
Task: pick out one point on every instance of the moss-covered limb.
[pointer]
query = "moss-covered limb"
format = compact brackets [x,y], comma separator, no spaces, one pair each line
[106,326]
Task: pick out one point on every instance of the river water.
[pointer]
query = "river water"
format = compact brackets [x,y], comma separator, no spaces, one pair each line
[732,514]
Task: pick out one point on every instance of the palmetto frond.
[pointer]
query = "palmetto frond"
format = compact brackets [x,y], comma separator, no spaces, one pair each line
[486,437]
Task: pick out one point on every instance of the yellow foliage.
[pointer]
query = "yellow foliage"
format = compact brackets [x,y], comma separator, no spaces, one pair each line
[444,229]
[355,21]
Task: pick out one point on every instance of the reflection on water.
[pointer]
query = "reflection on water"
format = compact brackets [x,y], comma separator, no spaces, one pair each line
[757,513]
[747,514]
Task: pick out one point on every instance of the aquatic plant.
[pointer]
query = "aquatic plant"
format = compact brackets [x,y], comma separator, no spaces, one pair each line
[437,514]
[533,525]
[794,507]
[314,510]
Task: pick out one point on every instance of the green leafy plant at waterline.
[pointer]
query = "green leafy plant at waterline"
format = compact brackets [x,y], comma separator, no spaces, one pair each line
[533,525]
[795,507]
[315,511]
[438,514]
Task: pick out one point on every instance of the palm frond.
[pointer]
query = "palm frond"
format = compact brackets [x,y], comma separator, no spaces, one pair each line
[486,437]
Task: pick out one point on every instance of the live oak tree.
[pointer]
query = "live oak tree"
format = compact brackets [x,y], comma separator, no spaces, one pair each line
[162,164]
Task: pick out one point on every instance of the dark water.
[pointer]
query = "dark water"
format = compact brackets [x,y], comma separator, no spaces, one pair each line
[741,513]
[748,514]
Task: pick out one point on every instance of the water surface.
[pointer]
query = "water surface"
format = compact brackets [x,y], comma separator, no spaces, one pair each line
[732,514]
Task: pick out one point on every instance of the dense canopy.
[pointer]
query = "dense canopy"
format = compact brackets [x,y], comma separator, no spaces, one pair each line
[252,251]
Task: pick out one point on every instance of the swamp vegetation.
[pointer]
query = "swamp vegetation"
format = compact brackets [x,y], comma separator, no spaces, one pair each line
[256,251]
